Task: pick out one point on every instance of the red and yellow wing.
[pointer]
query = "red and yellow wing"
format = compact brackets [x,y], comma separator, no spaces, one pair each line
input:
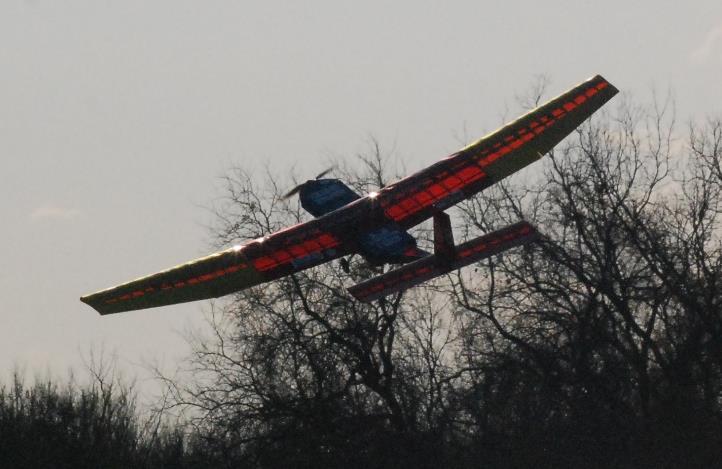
[282,253]
[494,157]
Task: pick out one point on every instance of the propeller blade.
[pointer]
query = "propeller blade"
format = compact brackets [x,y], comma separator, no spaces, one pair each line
[325,172]
[292,192]
[296,189]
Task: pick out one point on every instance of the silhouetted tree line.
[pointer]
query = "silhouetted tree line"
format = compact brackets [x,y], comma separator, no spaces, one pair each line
[599,346]
[53,425]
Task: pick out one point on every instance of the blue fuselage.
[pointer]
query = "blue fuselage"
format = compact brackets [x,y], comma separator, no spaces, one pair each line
[387,243]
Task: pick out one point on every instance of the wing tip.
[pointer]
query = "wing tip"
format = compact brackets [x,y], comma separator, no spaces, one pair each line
[599,78]
[88,300]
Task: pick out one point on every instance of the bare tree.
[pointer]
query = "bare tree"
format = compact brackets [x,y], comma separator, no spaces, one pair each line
[594,344]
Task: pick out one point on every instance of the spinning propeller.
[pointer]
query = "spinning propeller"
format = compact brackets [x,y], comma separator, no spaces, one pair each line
[298,188]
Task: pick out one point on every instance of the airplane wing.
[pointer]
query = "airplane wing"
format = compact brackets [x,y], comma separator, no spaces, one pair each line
[494,157]
[297,248]
[406,203]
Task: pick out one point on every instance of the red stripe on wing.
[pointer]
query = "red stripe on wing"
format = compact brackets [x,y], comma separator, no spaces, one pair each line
[285,255]
[438,186]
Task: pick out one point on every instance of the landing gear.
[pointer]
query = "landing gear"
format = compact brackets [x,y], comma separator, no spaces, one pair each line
[344,265]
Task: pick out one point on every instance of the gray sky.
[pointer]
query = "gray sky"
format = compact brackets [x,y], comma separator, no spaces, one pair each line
[117,117]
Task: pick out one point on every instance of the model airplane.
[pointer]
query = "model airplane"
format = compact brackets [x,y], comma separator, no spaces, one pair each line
[375,226]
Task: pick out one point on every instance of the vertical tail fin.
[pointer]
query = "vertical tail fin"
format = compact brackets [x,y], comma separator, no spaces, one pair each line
[443,238]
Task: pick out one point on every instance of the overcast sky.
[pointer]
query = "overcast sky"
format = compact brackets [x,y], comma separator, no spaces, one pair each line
[118,117]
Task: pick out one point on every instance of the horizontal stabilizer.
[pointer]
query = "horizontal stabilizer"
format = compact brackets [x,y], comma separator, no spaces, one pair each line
[430,267]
